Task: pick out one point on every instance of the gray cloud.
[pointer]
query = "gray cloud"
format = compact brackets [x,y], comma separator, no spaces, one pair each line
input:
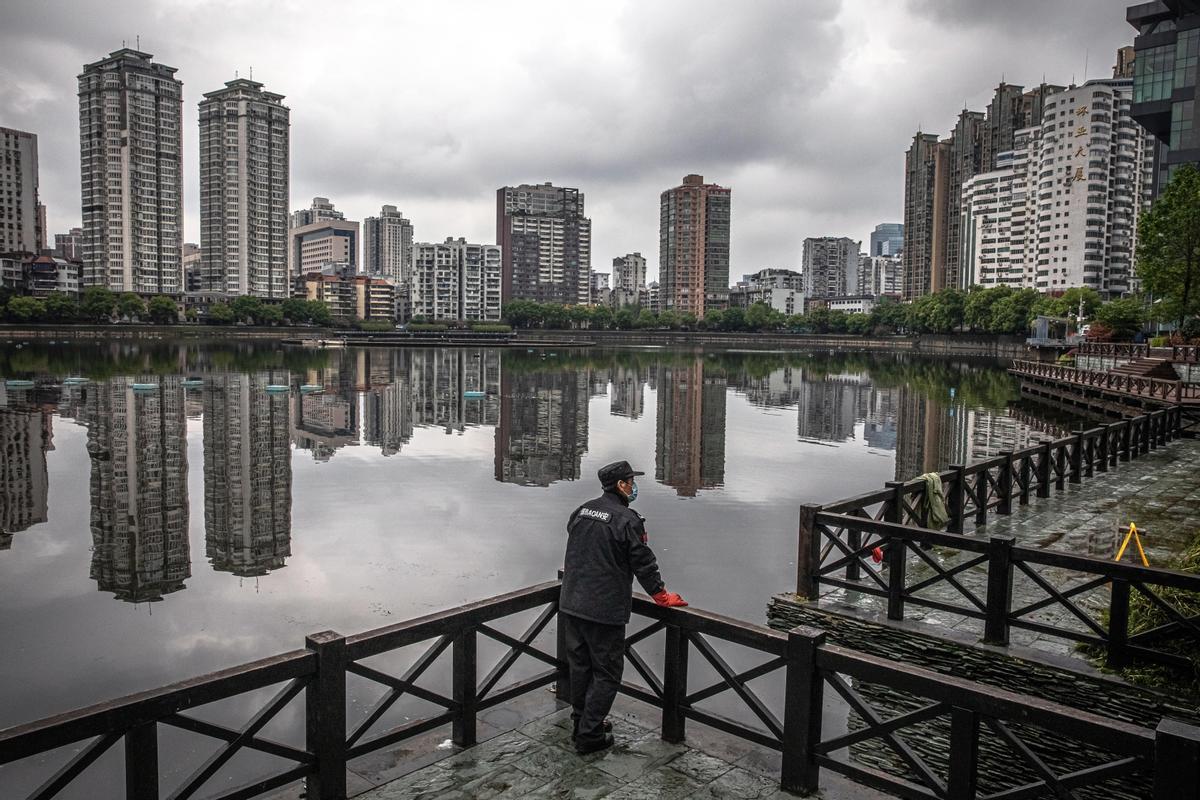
[805,109]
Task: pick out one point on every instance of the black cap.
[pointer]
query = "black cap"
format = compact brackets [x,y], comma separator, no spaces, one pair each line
[609,474]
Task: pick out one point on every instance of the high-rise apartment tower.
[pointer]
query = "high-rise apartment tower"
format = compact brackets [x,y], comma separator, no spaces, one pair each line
[244,169]
[131,160]
[693,237]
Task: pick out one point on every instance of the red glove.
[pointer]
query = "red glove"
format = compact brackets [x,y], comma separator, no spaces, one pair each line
[669,599]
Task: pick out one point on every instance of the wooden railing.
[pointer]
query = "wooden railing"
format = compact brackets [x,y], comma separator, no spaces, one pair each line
[801,662]
[837,542]
[1157,389]
[1128,351]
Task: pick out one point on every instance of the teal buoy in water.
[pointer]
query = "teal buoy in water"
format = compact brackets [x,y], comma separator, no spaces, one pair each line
[310,388]
[145,387]
[74,381]
[276,388]
[473,395]
[192,383]
[17,383]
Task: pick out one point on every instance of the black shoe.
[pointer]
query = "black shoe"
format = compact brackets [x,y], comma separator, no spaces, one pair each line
[606,727]
[585,746]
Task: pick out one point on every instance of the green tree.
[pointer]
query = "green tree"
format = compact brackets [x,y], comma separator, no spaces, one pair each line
[646,319]
[1124,317]
[246,308]
[26,309]
[131,306]
[668,319]
[602,318]
[319,314]
[624,319]
[860,324]
[295,310]
[733,319]
[761,317]
[98,304]
[980,302]
[272,314]
[580,316]
[688,321]
[1168,250]
[220,314]
[1013,312]
[162,310]
[941,312]
[60,307]
[889,316]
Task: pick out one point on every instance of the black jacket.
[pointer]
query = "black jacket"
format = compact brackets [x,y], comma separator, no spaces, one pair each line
[606,548]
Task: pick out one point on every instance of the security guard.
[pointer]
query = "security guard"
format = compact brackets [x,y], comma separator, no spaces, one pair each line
[606,548]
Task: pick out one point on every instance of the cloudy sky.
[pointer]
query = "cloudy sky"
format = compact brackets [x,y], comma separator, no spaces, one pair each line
[803,107]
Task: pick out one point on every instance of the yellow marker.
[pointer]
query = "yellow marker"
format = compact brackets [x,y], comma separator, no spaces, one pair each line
[1133,534]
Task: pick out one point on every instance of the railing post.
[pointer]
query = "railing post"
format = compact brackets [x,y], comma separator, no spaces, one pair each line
[1118,625]
[999,589]
[1114,433]
[854,566]
[1076,474]
[808,553]
[1102,456]
[1145,439]
[1023,481]
[981,497]
[675,670]
[802,710]
[1126,429]
[958,498]
[1162,428]
[963,781]
[1089,456]
[141,762]
[895,509]
[1060,459]
[1005,482]
[1043,479]
[465,678]
[325,716]
[897,558]
[562,686]
[1176,760]
[1152,431]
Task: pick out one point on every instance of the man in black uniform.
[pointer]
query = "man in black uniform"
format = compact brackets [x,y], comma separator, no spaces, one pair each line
[606,548]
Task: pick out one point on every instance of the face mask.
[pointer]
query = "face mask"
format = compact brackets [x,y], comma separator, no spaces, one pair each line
[633,492]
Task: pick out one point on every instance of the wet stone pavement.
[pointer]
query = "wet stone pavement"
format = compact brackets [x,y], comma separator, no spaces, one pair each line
[1160,492]
[537,760]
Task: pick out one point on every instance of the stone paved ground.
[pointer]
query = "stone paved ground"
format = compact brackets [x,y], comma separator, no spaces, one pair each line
[1159,491]
[536,760]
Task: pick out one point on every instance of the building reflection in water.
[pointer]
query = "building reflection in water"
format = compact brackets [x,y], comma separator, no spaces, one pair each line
[26,434]
[689,453]
[628,397]
[137,441]
[247,472]
[542,431]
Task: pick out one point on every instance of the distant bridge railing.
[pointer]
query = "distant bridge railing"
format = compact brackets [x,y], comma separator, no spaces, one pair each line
[1130,351]
[1088,750]
[1154,389]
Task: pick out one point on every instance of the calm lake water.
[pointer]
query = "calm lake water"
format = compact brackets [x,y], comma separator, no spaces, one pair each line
[167,509]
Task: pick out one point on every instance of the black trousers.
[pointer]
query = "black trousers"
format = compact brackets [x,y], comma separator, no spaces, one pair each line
[595,659]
